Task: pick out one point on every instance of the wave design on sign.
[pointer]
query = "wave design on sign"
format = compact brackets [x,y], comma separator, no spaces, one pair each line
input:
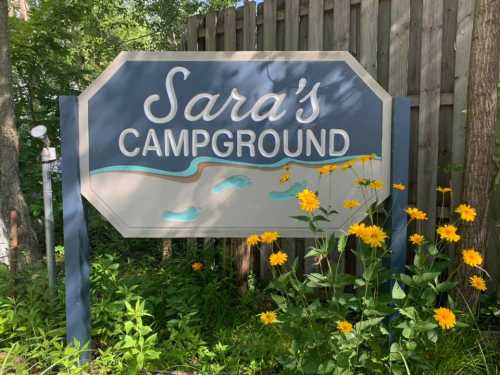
[193,167]
[191,214]
[233,182]
[290,193]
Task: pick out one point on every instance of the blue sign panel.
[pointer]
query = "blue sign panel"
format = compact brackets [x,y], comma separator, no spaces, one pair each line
[168,117]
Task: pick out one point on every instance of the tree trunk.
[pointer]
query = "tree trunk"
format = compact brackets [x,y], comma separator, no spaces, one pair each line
[480,135]
[11,197]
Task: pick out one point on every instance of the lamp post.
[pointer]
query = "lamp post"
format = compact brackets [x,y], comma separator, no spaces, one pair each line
[48,157]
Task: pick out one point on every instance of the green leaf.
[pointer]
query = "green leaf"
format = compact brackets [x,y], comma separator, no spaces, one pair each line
[342,243]
[445,286]
[397,291]
[364,324]
[409,312]
[302,218]
[320,218]
[433,250]
[406,279]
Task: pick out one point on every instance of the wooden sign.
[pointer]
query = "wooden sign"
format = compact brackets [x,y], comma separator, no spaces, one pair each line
[182,144]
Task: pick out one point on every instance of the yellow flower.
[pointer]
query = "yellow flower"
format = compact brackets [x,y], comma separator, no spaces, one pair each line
[347,165]
[332,167]
[268,317]
[351,203]
[364,158]
[344,326]
[416,214]
[472,257]
[357,229]
[284,179]
[416,239]
[325,169]
[376,185]
[467,213]
[443,189]
[477,282]
[197,266]
[374,236]
[252,240]
[445,318]
[308,200]
[400,187]
[278,259]
[361,181]
[448,232]
[269,237]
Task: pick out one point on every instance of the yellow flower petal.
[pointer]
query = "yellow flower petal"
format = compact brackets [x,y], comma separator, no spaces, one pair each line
[308,200]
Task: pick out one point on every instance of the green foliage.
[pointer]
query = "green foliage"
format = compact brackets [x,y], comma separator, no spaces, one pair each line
[63,46]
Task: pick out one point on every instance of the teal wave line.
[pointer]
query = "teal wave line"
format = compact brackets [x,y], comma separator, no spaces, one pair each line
[290,193]
[191,214]
[193,167]
[233,182]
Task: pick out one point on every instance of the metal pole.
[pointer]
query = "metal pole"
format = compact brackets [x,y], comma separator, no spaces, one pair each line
[48,157]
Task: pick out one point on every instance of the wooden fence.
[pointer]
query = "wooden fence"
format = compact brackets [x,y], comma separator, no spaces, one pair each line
[417,48]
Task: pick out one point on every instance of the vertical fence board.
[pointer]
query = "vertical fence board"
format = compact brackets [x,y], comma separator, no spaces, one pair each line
[430,94]
[383,43]
[354,29]
[368,41]
[341,24]
[398,50]
[269,25]
[415,43]
[210,31]
[465,16]
[265,268]
[249,27]
[315,29]
[446,112]
[192,33]
[229,29]
[292,25]
[309,265]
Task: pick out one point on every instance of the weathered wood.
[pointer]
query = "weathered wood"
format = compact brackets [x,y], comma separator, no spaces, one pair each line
[449,35]
[383,43]
[465,16]
[289,246]
[249,27]
[309,262]
[341,24]
[291,25]
[210,28]
[242,253]
[414,54]
[354,32]
[265,268]
[369,32]
[391,49]
[315,27]
[229,29]
[428,127]
[399,44]
[447,83]
[269,25]
[192,33]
